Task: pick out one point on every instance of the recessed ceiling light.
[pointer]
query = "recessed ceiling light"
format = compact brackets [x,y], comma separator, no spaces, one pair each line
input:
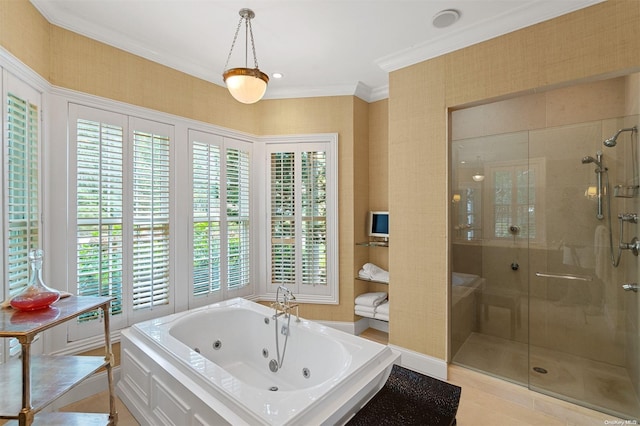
[277,75]
[445,18]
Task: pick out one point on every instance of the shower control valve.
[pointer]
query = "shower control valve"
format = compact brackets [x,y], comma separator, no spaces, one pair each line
[634,246]
[628,217]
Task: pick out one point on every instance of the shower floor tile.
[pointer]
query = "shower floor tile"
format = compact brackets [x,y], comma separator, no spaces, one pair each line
[598,385]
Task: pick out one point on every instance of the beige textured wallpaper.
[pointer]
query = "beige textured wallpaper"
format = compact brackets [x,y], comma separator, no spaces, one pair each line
[594,43]
[25,34]
[597,42]
[75,62]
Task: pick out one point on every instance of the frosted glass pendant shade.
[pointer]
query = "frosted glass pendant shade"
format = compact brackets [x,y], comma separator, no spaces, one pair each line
[246,85]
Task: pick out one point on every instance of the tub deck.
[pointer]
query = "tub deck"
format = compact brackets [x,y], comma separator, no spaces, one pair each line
[165,381]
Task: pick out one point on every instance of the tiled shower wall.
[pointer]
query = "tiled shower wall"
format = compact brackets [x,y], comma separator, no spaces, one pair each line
[559,122]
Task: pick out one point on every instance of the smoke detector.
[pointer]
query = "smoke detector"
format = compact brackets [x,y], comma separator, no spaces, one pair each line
[445,18]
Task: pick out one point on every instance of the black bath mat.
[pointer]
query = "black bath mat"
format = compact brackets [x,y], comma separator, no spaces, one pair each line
[410,398]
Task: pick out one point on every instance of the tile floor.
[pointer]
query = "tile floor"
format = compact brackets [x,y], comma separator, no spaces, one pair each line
[596,383]
[485,400]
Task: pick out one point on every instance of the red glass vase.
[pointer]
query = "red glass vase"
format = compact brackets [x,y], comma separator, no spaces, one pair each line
[36,295]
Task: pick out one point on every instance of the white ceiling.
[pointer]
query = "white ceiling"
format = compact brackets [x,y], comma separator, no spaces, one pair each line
[323,47]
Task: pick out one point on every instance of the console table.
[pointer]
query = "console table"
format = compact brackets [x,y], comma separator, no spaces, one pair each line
[32,383]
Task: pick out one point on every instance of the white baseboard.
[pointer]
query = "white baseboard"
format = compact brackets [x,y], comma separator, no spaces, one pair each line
[422,363]
[412,360]
[347,327]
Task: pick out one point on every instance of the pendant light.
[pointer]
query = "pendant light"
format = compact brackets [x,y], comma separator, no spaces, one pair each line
[246,85]
[478,176]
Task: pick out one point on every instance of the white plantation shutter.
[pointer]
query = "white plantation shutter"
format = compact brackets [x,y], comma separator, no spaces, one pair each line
[283,225]
[220,239]
[123,213]
[150,219]
[238,223]
[302,218]
[206,218]
[314,218]
[99,204]
[21,118]
[22,211]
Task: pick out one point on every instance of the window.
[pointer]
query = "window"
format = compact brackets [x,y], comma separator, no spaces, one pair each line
[21,188]
[100,209]
[302,219]
[150,219]
[221,224]
[467,210]
[21,119]
[122,234]
[516,198]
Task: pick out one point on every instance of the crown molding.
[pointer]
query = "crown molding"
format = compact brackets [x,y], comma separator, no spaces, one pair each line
[530,13]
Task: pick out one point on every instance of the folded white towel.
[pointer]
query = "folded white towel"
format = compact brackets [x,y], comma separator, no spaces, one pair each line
[383,308]
[365,308]
[372,272]
[364,274]
[365,314]
[382,317]
[372,269]
[382,277]
[371,299]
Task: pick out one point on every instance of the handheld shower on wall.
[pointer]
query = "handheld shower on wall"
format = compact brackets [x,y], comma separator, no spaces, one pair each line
[589,159]
[602,191]
[613,140]
[627,190]
[599,170]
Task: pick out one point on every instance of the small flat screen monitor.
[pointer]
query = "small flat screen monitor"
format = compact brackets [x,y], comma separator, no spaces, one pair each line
[379,224]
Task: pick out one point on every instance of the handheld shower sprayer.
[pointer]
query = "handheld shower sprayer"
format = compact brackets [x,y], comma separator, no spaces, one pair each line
[613,140]
[599,171]
[589,159]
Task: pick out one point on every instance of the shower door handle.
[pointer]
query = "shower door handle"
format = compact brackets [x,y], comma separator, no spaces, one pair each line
[565,276]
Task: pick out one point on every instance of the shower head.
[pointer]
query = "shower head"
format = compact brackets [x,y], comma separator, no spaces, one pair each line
[611,142]
[589,159]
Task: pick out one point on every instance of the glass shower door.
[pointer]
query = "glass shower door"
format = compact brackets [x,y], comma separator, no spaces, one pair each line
[580,329]
[492,223]
[538,296]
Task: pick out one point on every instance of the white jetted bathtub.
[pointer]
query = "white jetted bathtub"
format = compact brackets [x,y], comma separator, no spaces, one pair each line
[211,366]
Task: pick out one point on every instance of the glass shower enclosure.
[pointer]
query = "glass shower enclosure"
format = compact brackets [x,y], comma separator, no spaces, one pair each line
[543,282]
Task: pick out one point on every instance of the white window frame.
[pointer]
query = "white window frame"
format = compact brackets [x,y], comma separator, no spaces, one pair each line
[538,166]
[130,124]
[9,83]
[58,199]
[328,143]
[223,143]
